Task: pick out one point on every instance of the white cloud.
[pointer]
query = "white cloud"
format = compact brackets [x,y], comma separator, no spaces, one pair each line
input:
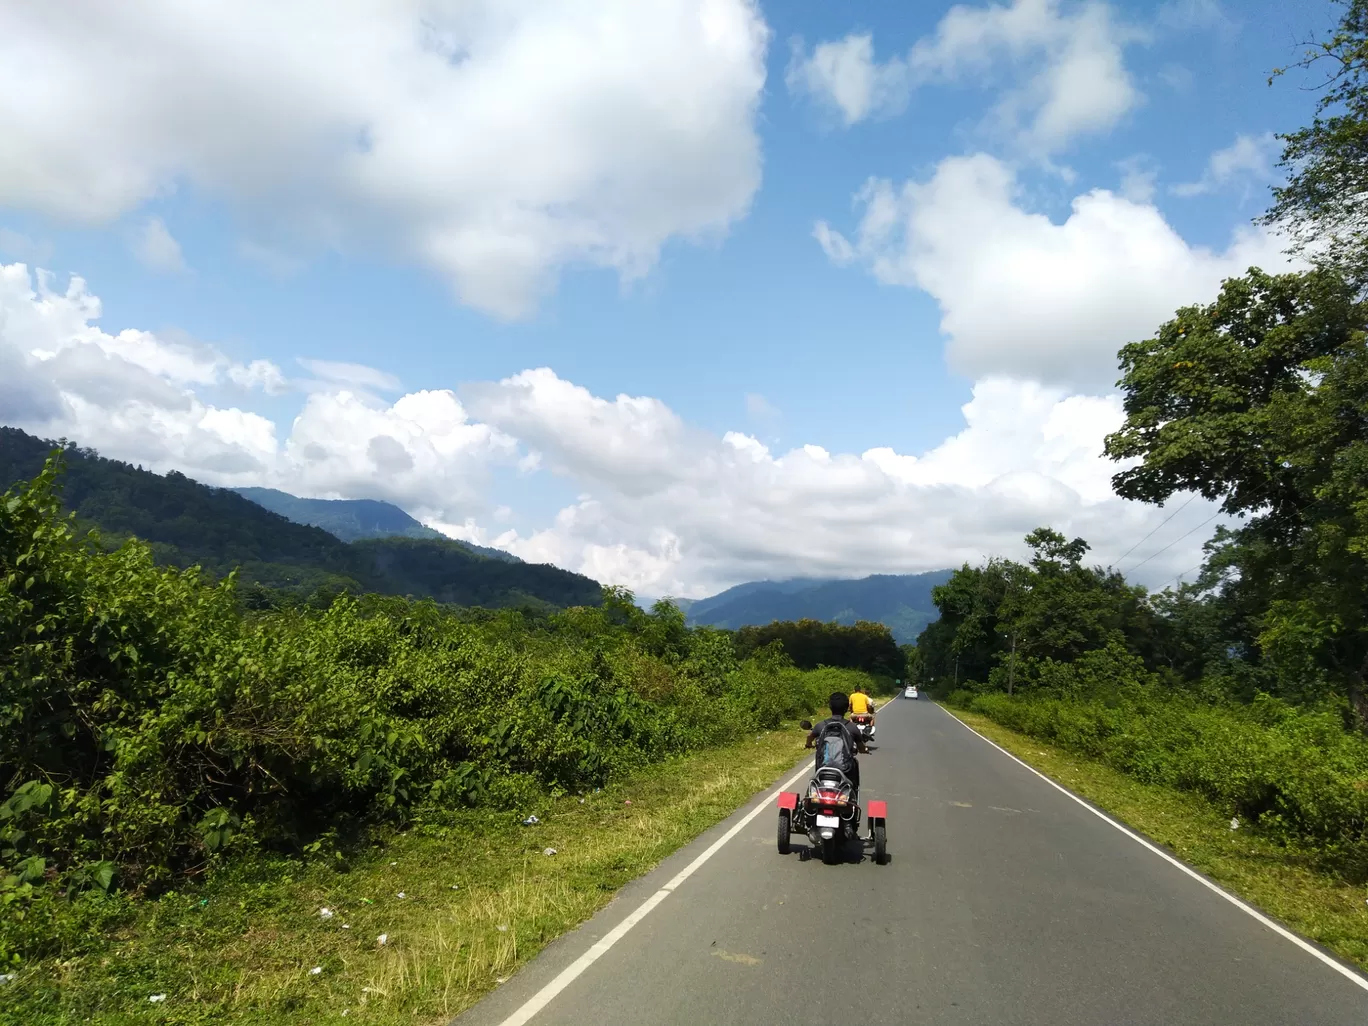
[1138,177]
[354,374]
[1060,70]
[142,397]
[844,74]
[262,374]
[496,141]
[157,248]
[663,507]
[1024,296]
[688,512]
[1248,161]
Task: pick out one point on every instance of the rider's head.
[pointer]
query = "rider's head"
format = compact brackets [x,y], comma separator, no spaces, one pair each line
[839,703]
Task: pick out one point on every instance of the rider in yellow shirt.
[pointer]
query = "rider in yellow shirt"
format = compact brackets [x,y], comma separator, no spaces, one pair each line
[860,703]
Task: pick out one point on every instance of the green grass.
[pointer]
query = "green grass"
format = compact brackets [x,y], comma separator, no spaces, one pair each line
[480,899]
[1285,884]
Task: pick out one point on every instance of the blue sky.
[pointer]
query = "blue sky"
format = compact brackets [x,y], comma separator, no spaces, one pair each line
[729,123]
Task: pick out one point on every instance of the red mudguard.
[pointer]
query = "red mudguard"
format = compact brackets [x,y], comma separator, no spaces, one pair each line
[878,810]
[788,799]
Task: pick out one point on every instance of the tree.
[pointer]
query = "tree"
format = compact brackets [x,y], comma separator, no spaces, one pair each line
[1260,400]
[1324,204]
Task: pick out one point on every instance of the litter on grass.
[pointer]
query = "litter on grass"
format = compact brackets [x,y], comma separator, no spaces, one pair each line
[383,939]
[326,913]
[1234,823]
[315,970]
[155,998]
[503,927]
[549,851]
[531,821]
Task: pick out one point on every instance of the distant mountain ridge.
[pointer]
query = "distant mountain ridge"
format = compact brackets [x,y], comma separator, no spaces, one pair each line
[357,519]
[900,601]
[186,523]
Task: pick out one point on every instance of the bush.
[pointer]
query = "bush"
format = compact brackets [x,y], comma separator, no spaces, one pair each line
[154,724]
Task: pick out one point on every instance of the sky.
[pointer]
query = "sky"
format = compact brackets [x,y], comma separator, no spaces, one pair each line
[674,293]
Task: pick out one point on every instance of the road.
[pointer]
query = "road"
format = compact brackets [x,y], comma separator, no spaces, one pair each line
[1005,902]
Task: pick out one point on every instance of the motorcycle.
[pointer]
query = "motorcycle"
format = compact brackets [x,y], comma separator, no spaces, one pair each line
[864,723]
[829,813]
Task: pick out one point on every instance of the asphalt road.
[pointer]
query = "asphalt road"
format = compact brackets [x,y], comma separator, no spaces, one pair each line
[1005,902]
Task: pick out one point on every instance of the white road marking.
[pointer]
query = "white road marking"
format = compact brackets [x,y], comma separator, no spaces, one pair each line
[1349,974]
[543,997]
[570,973]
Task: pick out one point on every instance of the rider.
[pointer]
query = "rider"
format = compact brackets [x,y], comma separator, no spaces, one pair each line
[860,703]
[839,703]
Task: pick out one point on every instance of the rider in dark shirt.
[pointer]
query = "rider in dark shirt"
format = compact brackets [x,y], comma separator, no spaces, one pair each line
[839,703]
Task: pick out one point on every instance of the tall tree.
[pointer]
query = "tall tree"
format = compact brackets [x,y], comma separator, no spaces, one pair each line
[1261,400]
[1324,203]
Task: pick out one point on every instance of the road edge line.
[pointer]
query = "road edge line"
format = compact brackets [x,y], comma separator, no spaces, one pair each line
[1352,975]
[570,973]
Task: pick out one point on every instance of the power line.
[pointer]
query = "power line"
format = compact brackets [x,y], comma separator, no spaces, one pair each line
[1180,576]
[1151,534]
[1174,542]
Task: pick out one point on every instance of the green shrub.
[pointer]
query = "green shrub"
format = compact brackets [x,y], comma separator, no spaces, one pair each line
[155,725]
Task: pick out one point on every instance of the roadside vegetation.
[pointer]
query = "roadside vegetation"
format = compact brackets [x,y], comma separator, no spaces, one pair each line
[189,779]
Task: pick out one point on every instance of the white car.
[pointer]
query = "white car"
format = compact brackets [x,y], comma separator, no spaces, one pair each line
[911,691]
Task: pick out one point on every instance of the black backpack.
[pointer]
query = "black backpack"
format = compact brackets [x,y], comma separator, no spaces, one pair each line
[834,747]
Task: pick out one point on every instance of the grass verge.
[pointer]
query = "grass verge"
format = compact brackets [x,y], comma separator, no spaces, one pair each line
[1283,883]
[461,904]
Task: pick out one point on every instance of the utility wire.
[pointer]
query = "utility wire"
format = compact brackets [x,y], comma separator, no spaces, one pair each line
[1151,534]
[1174,542]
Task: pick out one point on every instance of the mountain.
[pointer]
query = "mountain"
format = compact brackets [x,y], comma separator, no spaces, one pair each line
[347,519]
[356,519]
[187,523]
[901,601]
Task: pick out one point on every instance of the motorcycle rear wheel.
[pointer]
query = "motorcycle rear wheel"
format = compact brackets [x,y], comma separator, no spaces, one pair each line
[831,850]
[880,844]
[785,825]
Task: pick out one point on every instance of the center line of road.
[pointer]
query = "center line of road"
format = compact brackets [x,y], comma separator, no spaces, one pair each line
[570,973]
[1349,974]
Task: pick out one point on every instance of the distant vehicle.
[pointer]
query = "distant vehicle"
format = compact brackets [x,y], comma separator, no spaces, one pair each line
[911,691]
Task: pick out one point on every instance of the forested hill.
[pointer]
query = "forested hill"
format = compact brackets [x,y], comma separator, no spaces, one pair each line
[347,519]
[356,519]
[902,602]
[187,523]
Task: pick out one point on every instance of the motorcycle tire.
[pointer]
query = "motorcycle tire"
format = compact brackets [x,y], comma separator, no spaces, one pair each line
[831,850]
[880,844]
[785,825]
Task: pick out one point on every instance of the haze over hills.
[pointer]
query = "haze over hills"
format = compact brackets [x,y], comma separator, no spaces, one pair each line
[187,523]
[357,519]
[901,601]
